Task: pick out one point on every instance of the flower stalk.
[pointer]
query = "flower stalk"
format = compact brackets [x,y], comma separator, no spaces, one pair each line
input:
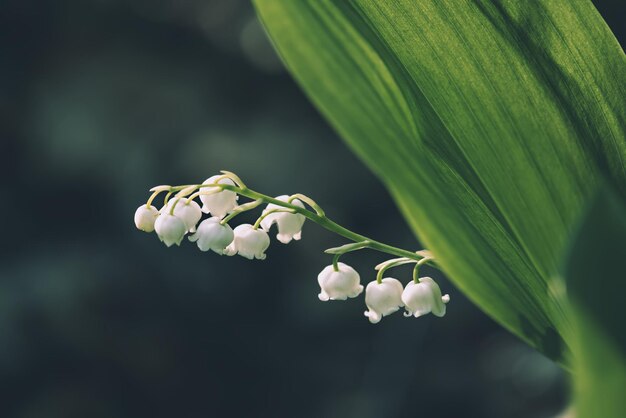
[338,281]
[321,220]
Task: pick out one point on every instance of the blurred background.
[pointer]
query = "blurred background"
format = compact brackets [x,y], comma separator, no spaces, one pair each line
[101,100]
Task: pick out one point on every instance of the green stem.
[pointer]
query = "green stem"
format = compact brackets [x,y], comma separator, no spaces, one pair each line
[336,262]
[200,193]
[339,251]
[167,197]
[240,209]
[308,201]
[353,246]
[382,267]
[417,267]
[321,220]
[234,177]
[174,205]
[329,224]
[152,197]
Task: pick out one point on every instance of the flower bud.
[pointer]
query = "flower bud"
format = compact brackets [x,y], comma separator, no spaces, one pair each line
[339,285]
[289,224]
[248,242]
[424,297]
[211,235]
[221,203]
[170,229]
[145,217]
[383,299]
[188,211]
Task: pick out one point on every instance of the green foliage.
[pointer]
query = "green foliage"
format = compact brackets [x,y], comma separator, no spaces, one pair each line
[595,273]
[490,122]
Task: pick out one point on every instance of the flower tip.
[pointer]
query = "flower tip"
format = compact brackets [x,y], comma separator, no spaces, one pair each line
[415,314]
[445,298]
[374,317]
[284,239]
[358,291]
[170,229]
[323,296]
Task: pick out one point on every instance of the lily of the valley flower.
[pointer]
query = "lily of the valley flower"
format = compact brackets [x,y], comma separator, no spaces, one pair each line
[188,211]
[339,285]
[248,242]
[211,235]
[221,203]
[383,299]
[289,224]
[145,217]
[424,297]
[170,229]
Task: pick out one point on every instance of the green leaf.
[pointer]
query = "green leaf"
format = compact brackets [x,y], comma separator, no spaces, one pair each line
[599,373]
[490,122]
[595,273]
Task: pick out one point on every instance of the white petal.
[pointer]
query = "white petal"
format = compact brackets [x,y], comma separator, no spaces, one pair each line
[221,203]
[323,296]
[249,242]
[145,218]
[373,316]
[189,212]
[211,235]
[170,229]
[438,307]
[424,297]
[230,250]
[284,238]
[269,220]
[289,224]
[384,298]
[341,284]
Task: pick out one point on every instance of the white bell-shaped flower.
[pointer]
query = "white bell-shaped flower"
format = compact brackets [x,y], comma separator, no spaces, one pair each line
[339,285]
[289,224]
[218,203]
[211,235]
[248,242]
[170,229]
[383,299]
[188,211]
[424,297]
[145,217]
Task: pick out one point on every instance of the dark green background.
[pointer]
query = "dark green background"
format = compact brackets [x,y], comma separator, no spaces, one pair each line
[102,99]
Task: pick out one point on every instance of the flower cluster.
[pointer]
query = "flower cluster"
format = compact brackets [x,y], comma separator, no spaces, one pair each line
[181,215]
[382,296]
